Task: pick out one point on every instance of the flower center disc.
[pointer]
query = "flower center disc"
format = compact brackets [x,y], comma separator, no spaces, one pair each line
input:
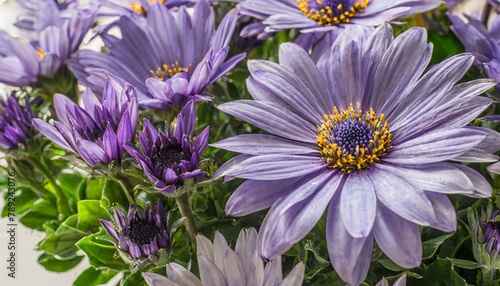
[351,140]
[331,12]
[168,71]
[143,232]
[169,156]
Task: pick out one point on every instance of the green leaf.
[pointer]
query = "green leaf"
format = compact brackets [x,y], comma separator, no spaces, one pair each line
[113,193]
[70,183]
[135,279]
[89,213]
[24,201]
[430,247]
[62,241]
[55,265]
[440,273]
[101,253]
[464,263]
[93,277]
[46,208]
[93,190]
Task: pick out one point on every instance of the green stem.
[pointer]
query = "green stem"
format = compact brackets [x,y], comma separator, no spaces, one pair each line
[61,197]
[489,275]
[127,187]
[187,212]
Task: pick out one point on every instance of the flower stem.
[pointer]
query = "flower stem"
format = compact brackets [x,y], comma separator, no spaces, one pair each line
[489,276]
[127,187]
[61,197]
[187,212]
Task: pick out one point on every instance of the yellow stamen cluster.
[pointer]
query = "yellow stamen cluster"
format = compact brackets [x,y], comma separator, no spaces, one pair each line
[40,53]
[169,70]
[337,157]
[137,6]
[328,16]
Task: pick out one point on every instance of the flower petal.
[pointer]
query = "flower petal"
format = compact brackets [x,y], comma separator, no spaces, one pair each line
[398,238]
[358,205]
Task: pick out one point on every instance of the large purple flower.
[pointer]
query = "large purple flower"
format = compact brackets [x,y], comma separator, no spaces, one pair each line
[139,234]
[325,15]
[220,265]
[365,135]
[15,122]
[169,159]
[98,131]
[168,66]
[56,37]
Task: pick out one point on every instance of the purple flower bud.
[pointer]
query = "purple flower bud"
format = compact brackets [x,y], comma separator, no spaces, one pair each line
[15,122]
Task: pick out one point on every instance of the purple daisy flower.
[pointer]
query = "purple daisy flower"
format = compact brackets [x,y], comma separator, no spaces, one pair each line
[98,131]
[56,38]
[169,159]
[372,145]
[325,15]
[167,66]
[220,265]
[15,122]
[483,42]
[141,234]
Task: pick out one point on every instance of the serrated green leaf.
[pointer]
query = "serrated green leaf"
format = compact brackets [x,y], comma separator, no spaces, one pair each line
[55,265]
[440,273]
[133,280]
[62,241]
[430,247]
[464,263]
[101,253]
[112,193]
[93,277]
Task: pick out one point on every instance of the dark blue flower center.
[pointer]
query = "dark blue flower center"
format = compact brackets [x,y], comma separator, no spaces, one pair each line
[143,232]
[352,134]
[352,140]
[331,12]
[169,156]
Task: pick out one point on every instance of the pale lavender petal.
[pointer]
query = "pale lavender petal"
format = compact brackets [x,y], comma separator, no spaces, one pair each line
[181,276]
[358,205]
[446,219]
[295,277]
[398,195]
[154,279]
[350,256]
[398,238]
[293,216]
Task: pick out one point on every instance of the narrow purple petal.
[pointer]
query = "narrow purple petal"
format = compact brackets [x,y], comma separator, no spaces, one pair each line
[358,205]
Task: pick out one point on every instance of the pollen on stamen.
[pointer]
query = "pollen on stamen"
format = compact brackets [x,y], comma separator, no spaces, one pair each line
[351,140]
[167,71]
[330,12]
[40,53]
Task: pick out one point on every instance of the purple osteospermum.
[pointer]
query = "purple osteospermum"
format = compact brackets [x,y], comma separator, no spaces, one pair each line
[98,131]
[169,159]
[220,265]
[140,234]
[367,136]
[324,15]
[15,122]
[167,66]
[484,43]
[56,38]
